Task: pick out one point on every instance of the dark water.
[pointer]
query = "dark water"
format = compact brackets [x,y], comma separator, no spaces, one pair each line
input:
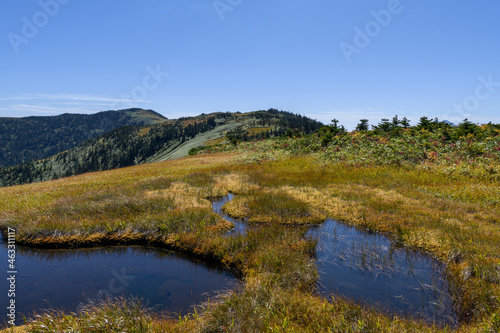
[370,268]
[367,267]
[239,226]
[63,279]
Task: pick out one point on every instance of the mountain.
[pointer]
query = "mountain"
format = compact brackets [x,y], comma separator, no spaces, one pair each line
[129,145]
[25,139]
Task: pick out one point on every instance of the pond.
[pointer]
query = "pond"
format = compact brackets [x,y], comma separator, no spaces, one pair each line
[64,279]
[367,267]
[373,269]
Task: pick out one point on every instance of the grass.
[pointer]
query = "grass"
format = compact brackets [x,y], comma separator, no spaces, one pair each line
[110,316]
[258,310]
[454,216]
[273,207]
[215,141]
[387,199]
[257,130]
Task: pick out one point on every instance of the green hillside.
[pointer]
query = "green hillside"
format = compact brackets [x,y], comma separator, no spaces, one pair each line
[131,145]
[25,139]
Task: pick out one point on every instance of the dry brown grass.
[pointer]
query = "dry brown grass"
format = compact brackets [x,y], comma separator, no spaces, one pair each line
[144,131]
[166,204]
[273,206]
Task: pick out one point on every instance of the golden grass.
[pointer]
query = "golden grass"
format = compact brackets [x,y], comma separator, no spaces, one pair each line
[144,131]
[404,203]
[257,130]
[36,195]
[273,207]
[165,204]
[20,329]
[183,196]
[214,142]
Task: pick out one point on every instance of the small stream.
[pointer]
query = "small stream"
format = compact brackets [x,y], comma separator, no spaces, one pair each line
[373,269]
[240,227]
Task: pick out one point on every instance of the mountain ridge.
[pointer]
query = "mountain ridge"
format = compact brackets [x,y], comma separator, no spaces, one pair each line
[173,138]
[37,137]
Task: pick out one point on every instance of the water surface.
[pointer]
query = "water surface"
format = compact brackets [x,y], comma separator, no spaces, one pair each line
[64,279]
[367,267]
[240,227]
[371,268]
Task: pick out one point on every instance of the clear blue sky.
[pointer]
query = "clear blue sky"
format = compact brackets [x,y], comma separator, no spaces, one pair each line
[324,58]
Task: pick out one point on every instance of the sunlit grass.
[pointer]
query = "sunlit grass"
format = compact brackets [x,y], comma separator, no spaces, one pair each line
[118,315]
[273,208]
[455,217]
[409,205]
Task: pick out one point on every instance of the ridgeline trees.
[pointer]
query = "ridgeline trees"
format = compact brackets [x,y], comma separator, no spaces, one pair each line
[131,145]
[25,139]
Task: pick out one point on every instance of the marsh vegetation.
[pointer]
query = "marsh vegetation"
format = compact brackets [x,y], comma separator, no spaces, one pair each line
[438,196]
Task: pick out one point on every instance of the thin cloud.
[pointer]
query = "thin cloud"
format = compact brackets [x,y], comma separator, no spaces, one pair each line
[53,104]
[80,103]
[71,97]
[47,109]
[358,109]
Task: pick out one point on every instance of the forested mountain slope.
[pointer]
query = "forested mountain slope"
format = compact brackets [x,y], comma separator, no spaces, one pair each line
[25,139]
[130,145]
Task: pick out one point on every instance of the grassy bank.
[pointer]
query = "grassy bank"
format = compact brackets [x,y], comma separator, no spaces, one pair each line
[452,215]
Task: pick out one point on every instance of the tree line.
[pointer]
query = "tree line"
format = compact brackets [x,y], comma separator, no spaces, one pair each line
[122,147]
[29,138]
[396,127]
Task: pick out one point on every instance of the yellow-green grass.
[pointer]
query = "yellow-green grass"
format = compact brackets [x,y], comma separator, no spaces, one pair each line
[144,130]
[165,204]
[274,207]
[421,209]
[257,130]
[214,142]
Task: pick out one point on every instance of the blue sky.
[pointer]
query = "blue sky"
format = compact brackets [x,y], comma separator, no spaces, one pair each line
[326,59]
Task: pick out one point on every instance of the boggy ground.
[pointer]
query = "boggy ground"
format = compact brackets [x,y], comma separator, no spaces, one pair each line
[166,205]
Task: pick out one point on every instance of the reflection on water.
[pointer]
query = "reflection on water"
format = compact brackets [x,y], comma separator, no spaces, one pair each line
[370,268]
[366,267]
[239,226]
[63,279]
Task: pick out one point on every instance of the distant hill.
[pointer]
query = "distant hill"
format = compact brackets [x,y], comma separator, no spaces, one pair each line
[129,145]
[449,123]
[25,139]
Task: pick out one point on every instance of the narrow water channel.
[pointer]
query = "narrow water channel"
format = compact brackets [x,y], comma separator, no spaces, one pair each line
[240,227]
[65,279]
[367,267]
[371,268]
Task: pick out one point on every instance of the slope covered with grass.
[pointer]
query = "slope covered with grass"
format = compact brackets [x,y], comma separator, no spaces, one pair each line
[169,139]
[445,203]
